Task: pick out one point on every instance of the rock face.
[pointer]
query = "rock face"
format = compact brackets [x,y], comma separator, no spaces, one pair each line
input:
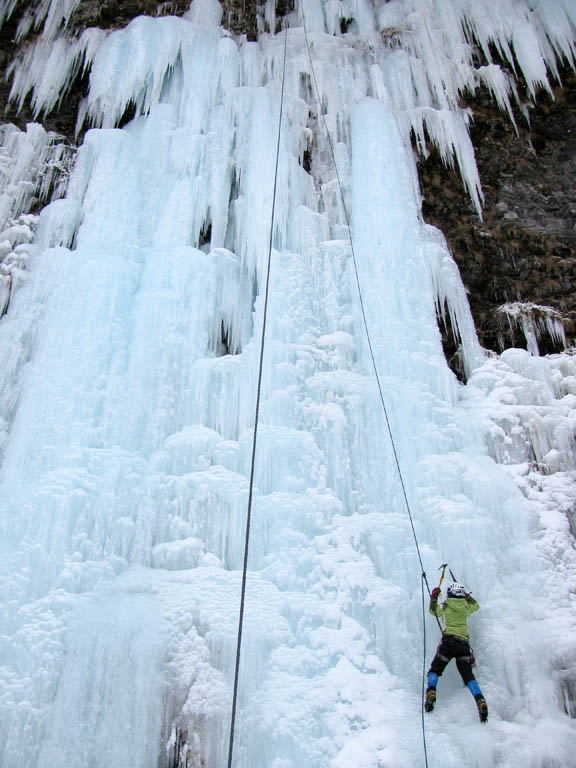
[524,249]
[113,14]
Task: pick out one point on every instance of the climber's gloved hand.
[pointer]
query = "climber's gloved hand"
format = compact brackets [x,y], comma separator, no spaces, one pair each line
[435,594]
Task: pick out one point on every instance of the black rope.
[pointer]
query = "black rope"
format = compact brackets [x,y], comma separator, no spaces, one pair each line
[424,671]
[256,417]
[374,365]
[364,320]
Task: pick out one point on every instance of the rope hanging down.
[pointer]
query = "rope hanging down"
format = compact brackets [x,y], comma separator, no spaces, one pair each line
[363,311]
[374,365]
[256,417]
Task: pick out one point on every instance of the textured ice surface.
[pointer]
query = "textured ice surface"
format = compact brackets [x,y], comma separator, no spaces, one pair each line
[128,365]
[34,169]
[417,55]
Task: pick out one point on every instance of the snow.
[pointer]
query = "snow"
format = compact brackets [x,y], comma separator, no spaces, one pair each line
[128,371]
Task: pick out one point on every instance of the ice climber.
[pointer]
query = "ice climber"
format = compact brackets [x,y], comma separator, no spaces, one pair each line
[455,644]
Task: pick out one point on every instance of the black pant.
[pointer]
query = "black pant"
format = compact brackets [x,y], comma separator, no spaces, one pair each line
[453,647]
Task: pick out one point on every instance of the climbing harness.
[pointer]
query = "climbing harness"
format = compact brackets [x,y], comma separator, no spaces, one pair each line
[256,418]
[424,579]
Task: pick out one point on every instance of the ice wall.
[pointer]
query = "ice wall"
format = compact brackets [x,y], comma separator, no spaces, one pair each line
[128,371]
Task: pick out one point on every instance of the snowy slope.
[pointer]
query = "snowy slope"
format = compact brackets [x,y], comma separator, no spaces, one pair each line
[128,367]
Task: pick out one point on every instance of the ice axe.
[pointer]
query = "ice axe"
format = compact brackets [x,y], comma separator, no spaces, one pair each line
[443,568]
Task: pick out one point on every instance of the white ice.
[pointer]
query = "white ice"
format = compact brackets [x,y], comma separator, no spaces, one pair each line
[128,367]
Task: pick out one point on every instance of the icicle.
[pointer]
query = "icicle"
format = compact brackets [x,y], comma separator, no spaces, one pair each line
[500,86]
[34,168]
[450,292]
[128,371]
[48,69]
[448,131]
[530,57]
[534,320]
[433,67]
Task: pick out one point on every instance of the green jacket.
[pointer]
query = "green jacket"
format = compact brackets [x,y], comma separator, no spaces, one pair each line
[454,613]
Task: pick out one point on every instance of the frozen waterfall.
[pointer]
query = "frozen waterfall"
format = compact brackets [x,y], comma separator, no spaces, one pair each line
[128,367]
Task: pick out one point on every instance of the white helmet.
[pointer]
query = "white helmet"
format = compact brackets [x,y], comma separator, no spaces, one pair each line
[456,590]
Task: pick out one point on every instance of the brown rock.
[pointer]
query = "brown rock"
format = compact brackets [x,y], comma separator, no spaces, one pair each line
[525,248]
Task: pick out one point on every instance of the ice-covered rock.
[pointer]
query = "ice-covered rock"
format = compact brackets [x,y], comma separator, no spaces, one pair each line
[129,366]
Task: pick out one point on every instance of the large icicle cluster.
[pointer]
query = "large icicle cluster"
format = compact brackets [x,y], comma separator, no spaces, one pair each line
[48,15]
[128,370]
[432,51]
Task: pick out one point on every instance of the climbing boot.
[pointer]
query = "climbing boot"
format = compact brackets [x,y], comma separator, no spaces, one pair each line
[482,708]
[430,699]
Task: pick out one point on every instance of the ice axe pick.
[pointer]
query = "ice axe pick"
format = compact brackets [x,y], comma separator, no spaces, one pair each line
[443,568]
